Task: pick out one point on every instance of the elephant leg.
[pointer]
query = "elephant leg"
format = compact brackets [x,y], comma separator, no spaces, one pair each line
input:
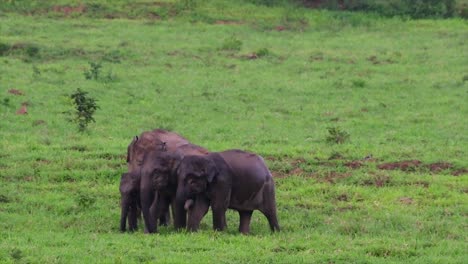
[160,210]
[132,218]
[244,224]
[147,197]
[197,212]
[180,219]
[165,219]
[123,217]
[219,218]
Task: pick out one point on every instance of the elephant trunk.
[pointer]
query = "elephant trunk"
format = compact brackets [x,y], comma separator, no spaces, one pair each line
[147,196]
[180,220]
[124,213]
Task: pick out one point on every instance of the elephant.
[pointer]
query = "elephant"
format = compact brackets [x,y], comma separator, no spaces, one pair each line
[157,139]
[232,179]
[159,185]
[151,140]
[130,200]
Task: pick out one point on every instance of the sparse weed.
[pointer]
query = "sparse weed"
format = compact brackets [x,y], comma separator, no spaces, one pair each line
[85,200]
[231,44]
[263,52]
[336,135]
[6,102]
[94,71]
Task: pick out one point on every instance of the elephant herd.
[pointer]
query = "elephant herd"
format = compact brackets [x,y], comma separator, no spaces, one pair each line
[166,171]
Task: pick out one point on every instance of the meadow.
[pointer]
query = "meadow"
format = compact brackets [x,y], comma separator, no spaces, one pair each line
[361,119]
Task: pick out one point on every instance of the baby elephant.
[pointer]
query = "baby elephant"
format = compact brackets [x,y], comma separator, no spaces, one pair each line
[130,200]
[230,179]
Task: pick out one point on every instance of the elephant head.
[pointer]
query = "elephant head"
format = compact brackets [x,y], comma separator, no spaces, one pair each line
[159,168]
[157,181]
[197,172]
[157,139]
[159,174]
[130,200]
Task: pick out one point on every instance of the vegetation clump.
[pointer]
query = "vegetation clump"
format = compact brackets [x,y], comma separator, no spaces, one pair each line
[337,135]
[85,107]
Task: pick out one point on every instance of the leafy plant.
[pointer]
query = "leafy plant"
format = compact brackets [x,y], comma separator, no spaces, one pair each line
[94,71]
[85,107]
[336,135]
[6,102]
[4,48]
[263,52]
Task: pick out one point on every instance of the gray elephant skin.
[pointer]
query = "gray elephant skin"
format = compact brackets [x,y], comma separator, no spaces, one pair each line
[232,179]
[130,201]
[155,140]
[159,185]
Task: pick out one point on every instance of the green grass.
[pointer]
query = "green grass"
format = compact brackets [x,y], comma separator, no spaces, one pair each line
[397,87]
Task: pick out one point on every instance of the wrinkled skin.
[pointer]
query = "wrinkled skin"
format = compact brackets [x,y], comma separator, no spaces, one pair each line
[158,176]
[157,139]
[130,200]
[232,179]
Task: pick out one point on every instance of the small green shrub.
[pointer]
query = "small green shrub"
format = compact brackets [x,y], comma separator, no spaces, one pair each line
[6,102]
[359,83]
[85,200]
[263,52]
[85,107]
[4,49]
[336,135]
[94,71]
[231,44]
[16,254]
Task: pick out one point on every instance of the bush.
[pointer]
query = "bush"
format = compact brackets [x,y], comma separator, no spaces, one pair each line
[94,71]
[85,107]
[336,135]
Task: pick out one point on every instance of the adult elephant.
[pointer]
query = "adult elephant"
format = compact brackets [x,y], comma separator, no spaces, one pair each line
[155,140]
[230,179]
[159,185]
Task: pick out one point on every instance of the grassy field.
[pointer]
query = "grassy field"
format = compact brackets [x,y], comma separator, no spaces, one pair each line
[274,80]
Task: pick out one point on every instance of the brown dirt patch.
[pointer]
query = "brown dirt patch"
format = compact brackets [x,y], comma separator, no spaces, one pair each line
[23,110]
[439,166]
[333,176]
[406,200]
[16,92]
[345,208]
[44,161]
[280,28]
[228,22]
[407,165]
[460,172]
[421,183]
[67,10]
[356,164]
[342,197]
[296,171]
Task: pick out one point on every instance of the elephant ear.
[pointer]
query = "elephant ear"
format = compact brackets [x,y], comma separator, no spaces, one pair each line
[130,148]
[174,163]
[211,171]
